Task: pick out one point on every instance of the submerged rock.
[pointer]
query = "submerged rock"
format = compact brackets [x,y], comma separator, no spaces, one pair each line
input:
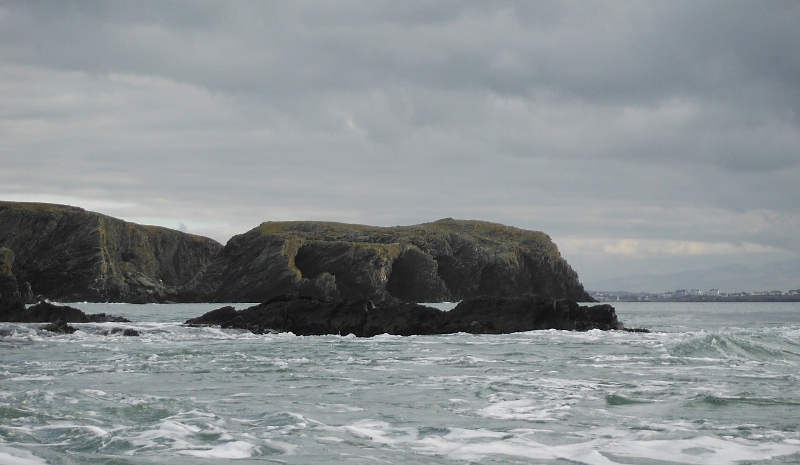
[125,331]
[60,326]
[362,317]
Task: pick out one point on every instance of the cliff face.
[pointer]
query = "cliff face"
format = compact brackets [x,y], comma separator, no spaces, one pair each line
[11,300]
[69,254]
[444,260]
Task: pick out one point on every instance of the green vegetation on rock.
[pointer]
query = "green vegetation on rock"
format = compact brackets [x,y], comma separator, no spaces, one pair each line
[443,260]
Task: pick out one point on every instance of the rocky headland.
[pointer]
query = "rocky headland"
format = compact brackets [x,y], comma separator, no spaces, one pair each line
[67,254]
[446,260]
[309,316]
[313,277]
[64,253]
[14,310]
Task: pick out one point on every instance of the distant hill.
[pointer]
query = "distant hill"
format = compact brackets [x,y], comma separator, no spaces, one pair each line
[782,275]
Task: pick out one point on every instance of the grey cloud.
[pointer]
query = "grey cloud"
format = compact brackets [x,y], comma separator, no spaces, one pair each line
[653,121]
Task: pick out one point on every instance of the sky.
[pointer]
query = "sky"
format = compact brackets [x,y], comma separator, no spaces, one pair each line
[643,137]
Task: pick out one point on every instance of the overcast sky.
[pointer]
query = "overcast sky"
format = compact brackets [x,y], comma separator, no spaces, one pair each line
[644,137]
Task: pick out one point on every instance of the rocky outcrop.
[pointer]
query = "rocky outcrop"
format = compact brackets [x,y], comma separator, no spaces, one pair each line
[362,317]
[10,298]
[69,254]
[46,312]
[440,261]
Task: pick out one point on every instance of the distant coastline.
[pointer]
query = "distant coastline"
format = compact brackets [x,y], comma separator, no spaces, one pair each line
[623,296]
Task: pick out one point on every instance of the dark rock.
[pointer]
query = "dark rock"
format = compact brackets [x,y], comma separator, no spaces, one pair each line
[46,312]
[439,261]
[60,326]
[103,318]
[507,315]
[69,254]
[636,330]
[362,317]
[125,331]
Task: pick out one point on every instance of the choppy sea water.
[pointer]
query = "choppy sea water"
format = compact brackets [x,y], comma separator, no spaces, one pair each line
[712,384]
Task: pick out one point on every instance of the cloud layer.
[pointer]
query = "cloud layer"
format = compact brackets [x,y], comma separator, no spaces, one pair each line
[641,137]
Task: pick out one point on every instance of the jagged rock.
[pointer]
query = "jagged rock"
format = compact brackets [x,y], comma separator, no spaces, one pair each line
[362,317]
[60,326]
[506,315]
[69,254]
[125,331]
[444,260]
[46,312]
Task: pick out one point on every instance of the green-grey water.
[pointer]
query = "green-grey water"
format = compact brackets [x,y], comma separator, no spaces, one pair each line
[712,384]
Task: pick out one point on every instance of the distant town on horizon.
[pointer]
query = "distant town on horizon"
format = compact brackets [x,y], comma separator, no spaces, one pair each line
[694,295]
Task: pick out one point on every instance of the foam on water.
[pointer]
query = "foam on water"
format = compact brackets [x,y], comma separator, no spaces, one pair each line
[475,445]
[14,456]
[716,394]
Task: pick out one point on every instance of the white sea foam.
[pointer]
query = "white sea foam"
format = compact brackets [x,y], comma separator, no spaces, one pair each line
[227,450]
[14,456]
[471,445]
[524,410]
[32,378]
[702,450]
[184,394]
[97,431]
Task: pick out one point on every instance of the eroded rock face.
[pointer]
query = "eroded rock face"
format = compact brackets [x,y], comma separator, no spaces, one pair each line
[362,317]
[444,260]
[69,254]
[10,298]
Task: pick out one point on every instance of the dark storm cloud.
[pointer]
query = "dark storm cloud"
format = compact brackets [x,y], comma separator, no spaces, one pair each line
[674,124]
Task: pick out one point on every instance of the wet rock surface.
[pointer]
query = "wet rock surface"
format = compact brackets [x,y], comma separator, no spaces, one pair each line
[364,318]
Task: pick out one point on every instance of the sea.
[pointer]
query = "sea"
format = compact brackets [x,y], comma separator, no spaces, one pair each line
[711,384]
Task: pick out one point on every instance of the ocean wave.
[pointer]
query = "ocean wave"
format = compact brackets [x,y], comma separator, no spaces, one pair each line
[743,345]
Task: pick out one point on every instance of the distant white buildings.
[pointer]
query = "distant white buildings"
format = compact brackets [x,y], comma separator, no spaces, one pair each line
[692,294]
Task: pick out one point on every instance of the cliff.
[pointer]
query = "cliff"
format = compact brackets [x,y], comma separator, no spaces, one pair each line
[440,261]
[69,254]
[11,300]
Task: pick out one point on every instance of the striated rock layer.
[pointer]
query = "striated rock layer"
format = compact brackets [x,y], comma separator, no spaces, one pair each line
[308,316]
[446,260]
[69,254]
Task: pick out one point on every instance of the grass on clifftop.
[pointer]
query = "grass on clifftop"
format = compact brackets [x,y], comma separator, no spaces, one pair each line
[486,233]
[39,207]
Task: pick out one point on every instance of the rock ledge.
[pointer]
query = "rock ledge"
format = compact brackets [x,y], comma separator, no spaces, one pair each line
[308,316]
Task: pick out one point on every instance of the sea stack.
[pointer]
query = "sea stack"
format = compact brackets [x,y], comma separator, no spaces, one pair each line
[446,260]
